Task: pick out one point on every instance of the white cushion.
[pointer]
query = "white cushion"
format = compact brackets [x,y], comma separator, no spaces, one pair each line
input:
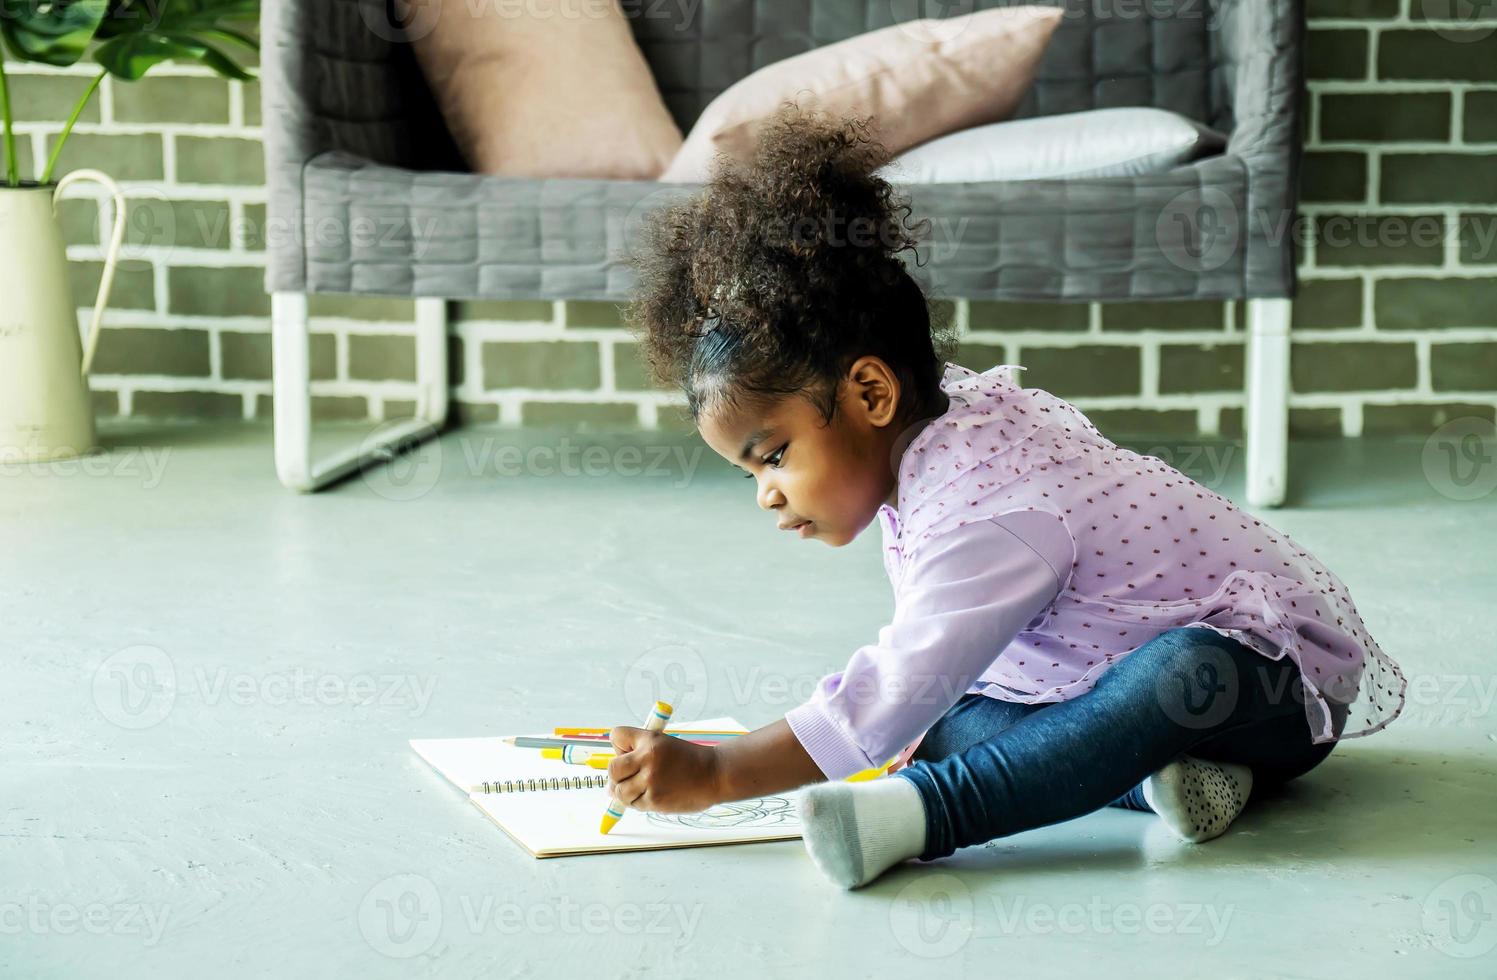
[1119,142]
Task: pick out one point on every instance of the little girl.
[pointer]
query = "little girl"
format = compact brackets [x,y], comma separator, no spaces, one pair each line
[1075,625]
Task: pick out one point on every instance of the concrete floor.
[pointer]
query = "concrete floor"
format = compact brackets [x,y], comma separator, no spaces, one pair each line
[210,683]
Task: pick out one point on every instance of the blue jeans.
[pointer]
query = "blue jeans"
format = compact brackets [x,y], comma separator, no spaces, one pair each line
[990,768]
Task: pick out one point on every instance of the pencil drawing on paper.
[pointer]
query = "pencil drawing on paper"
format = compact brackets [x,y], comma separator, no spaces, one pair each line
[770,811]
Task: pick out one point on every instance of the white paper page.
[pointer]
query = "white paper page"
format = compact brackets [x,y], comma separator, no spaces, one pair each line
[564,821]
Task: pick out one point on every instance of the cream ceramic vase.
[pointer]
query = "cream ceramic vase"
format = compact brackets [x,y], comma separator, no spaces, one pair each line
[45,408]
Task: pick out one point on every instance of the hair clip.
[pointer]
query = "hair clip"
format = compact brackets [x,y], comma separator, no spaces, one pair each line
[708,322]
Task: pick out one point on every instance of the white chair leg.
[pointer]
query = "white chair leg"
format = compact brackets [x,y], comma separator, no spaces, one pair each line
[1266,421]
[291,372]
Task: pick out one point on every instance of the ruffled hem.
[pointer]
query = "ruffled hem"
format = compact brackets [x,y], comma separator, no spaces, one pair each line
[1372,699]
[1319,713]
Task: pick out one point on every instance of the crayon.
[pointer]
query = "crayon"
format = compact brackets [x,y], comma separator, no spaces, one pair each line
[659,716]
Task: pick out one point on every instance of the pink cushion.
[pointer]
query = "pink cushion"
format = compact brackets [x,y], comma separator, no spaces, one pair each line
[546,88]
[918,80]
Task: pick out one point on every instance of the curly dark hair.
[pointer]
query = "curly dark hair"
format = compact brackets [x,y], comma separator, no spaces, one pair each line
[783,271]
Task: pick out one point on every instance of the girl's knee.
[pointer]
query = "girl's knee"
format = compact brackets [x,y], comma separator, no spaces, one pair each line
[974,718]
[1179,651]
[1184,644]
[1192,674]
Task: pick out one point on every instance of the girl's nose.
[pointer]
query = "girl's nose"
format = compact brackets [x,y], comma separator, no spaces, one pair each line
[770,497]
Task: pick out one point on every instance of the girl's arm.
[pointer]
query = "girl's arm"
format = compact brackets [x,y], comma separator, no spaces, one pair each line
[964,597]
[654,771]
[764,762]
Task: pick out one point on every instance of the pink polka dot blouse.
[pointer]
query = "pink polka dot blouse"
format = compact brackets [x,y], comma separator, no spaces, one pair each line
[1029,553]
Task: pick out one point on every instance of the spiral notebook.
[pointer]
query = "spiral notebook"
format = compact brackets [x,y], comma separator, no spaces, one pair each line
[552,808]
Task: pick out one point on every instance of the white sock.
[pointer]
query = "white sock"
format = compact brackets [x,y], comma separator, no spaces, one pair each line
[855,832]
[1198,799]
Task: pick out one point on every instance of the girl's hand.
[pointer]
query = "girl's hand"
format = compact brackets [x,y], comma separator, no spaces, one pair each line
[662,773]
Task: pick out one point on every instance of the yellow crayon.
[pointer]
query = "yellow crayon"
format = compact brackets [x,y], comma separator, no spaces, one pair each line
[659,716]
[867,774]
[579,756]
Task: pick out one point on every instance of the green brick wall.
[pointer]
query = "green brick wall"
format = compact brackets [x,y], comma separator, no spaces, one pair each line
[1395,325]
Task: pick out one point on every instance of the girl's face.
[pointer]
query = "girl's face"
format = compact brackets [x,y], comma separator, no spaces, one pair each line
[831,478]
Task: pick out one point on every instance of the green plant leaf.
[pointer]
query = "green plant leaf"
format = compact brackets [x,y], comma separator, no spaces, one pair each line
[137,36]
[52,32]
[233,37]
[130,56]
[174,16]
[221,63]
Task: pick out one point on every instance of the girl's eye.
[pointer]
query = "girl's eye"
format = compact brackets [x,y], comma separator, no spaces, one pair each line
[774,459]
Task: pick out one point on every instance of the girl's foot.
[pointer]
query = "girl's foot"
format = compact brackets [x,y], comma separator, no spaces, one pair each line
[855,832]
[1198,799]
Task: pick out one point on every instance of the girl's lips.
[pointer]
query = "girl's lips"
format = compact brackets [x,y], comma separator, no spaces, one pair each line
[805,529]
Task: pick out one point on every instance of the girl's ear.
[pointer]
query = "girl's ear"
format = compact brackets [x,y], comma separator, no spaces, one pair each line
[873,384]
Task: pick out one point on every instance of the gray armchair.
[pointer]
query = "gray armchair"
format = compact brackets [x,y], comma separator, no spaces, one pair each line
[367,193]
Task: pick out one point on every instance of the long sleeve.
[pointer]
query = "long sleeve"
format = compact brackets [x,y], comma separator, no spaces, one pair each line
[963,599]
